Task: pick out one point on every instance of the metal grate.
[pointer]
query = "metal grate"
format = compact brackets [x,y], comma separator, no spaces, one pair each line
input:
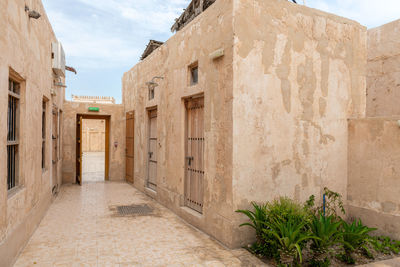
[12,133]
[134,210]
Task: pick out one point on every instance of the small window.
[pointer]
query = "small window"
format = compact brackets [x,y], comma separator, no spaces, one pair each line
[44,106]
[13,133]
[194,74]
[151,91]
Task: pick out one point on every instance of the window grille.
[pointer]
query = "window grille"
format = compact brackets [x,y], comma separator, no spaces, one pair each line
[13,133]
[44,134]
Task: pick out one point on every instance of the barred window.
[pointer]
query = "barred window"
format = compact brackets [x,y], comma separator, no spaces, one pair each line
[44,104]
[13,133]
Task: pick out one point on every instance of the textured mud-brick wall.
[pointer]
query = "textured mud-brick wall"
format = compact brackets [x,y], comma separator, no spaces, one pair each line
[25,46]
[383,70]
[299,74]
[210,31]
[374,173]
[93,135]
[117,134]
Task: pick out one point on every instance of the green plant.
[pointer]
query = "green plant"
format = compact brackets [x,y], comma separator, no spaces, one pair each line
[320,263]
[333,202]
[327,229]
[285,209]
[355,236]
[384,244]
[257,218]
[289,235]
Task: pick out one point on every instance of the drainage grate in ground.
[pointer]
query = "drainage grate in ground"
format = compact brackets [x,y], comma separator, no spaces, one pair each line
[134,210]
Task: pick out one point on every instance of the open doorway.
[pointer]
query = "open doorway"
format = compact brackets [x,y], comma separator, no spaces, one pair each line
[92,148]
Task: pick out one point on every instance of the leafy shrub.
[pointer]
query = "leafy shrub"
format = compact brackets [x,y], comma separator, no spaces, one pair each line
[285,209]
[289,234]
[327,229]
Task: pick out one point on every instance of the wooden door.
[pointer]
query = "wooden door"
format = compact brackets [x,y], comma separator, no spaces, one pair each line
[79,150]
[129,146]
[194,167]
[152,151]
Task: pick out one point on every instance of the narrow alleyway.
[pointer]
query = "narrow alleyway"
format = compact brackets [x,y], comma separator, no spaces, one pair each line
[83,228]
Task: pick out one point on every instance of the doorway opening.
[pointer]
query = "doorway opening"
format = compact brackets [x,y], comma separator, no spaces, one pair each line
[92,148]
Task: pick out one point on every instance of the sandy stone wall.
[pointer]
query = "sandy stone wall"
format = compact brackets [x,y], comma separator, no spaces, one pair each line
[93,135]
[374,167]
[25,46]
[117,135]
[210,31]
[383,78]
[299,74]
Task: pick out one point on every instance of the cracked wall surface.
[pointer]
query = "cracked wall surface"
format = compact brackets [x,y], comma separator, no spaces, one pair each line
[383,78]
[299,74]
[374,142]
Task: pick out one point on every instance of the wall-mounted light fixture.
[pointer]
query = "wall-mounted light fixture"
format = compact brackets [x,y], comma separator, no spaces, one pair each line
[152,85]
[32,13]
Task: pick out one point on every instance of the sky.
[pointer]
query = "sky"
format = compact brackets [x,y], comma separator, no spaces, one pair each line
[103,39]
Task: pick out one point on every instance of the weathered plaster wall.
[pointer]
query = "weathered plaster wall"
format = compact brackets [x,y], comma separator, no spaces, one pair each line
[117,134]
[374,173]
[299,74]
[25,46]
[383,70]
[210,31]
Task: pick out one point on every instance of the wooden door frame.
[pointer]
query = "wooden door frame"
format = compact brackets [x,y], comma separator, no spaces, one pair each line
[107,119]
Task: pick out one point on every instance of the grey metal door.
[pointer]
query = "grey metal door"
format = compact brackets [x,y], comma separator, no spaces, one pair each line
[152,151]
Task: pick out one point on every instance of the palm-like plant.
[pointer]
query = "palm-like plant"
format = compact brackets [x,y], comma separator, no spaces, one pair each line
[328,232]
[257,218]
[290,235]
[355,236]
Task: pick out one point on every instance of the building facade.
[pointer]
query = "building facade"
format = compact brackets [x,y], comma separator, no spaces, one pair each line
[247,102]
[31,105]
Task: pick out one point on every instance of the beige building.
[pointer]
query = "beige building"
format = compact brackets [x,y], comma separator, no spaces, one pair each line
[31,114]
[248,101]
[250,106]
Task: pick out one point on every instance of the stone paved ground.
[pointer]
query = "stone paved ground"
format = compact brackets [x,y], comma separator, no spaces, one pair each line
[93,166]
[81,229]
[388,263]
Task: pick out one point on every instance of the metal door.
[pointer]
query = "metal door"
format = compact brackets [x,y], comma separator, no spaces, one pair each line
[129,146]
[79,150]
[194,158]
[54,156]
[152,151]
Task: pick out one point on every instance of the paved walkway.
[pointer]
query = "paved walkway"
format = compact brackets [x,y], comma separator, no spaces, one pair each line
[93,166]
[81,228]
